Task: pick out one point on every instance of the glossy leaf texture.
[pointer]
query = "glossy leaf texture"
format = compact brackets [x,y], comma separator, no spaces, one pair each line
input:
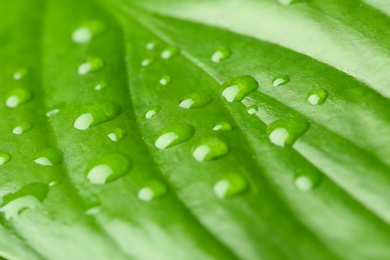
[191,129]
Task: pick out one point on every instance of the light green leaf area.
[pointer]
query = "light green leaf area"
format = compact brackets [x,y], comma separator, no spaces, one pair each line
[194,129]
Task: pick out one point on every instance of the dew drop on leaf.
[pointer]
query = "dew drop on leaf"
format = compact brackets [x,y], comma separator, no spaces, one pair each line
[173,135]
[280,80]
[195,100]
[146,62]
[100,86]
[91,64]
[252,109]
[289,2]
[48,157]
[52,112]
[285,132]
[17,97]
[238,88]
[87,31]
[169,52]
[152,111]
[220,54]
[108,168]
[209,149]
[222,126]
[20,74]
[22,127]
[165,80]
[306,181]
[152,190]
[4,158]
[28,197]
[317,97]
[94,114]
[151,45]
[230,185]
[93,211]
[117,134]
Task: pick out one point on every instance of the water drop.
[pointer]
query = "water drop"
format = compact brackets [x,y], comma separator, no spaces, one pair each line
[48,157]
[152,111]
[223,126]
[101,85]
[22,128]
[317,97]
[220,54]
[285,132]
[169,52]
[289,2]
[28,197]
[117,134]
[92,211]
[146,62]
[173,135]
[152,190]
[94,114]
[53,183]
[165,80]
[19,74]
[52,112]
[280,80]
[196,100]
[306,181]
[91,64]
[252,109]
[230,185]
[4,158]
[108,168]
[17,97]
[238,88]
[151,45]
[87,31]
[209,149]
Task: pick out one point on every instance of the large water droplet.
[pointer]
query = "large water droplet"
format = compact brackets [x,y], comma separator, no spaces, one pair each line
[280,80]
[108,168]
[306,181]
[28,197]
[165,80]
[90,64]
[238,88]
[152,190]
[317,97]
[196,100]
[87,31]
[19,74]
[17,97]
[117,134]
[48,157]
[285,132]
[94,114]
[230,185]
[152,111]
[169,52]
[22,128]
[173,135]
[223,126]
[220,54]
[209,149]
[4,158]
[252,109]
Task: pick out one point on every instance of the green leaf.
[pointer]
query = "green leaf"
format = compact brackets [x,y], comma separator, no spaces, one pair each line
[194,129]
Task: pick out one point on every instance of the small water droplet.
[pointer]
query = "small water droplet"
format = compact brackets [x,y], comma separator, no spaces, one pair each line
[223,126]
[284,132]
[220,54]
[165,80]
[22,128]
[209,149]
[101,85]
[152,190]
[52,112]
[48,157]
[238,88]
[306,181]
[196,100]
[151,45]
[94,114]
[87,31]
[252,109]
[146,62]
[17,97]
[19,74]
[289,2]
[317,97]
[28,197]
[4,158]
[91,64]
[280,80]
[117,134]
[53,183]
[108,168]
[230,185]
[93,211]
[173,135]
[169,52]
[152,111]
